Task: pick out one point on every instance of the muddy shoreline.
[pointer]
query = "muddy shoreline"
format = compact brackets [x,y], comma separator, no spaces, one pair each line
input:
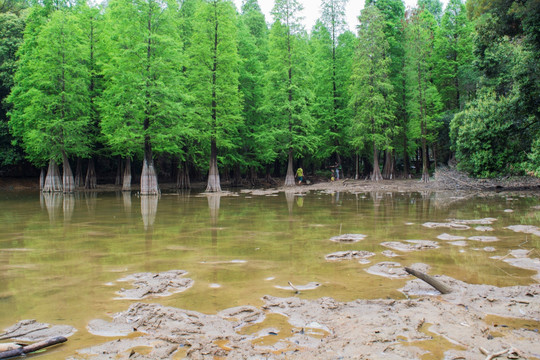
[472,322]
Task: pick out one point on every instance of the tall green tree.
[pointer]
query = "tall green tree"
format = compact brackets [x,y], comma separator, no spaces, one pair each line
[435,7]
[423,99]
[286,95]
[11,30]
[453,55]
[256,136]
[142,103]
[51,96]
[333,125]
[213,81]
[372,92]
[393,12]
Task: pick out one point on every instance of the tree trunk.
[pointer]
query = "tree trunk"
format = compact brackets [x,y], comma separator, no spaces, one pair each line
[289,178]
[91,178]
[357,164]
[376,174]
[388,171]
[214,184]
[42,178]
[149,183]
[119,163]
[126,182]
[52,180]
[182,177]
[68,181]
[425,167]
[78,174]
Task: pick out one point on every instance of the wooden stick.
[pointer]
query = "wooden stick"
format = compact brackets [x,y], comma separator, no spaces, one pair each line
[443,289]
[32,347]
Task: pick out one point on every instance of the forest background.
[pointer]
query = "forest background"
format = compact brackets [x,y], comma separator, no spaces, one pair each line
[192,89]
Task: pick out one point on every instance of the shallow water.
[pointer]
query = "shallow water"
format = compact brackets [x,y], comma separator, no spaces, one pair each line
[61,256]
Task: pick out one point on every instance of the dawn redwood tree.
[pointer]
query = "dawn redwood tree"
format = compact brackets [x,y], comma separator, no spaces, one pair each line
[453,57]
[334,124]
[287,95]
[213,81]
[256,136]
[142,104]
[423,99]
[372,92]
[50,99]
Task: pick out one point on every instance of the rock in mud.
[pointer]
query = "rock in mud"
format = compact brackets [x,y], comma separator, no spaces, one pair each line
[33,331]
[448,237]
[484,238]
[483,228]
[348,255]
[411,245]
[389,253]
[160,284]
[388,269]
[521,260]
[527,229]
[348,238]
[485,221]
[450,225]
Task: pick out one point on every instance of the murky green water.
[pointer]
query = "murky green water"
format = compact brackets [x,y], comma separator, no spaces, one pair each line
[60,256]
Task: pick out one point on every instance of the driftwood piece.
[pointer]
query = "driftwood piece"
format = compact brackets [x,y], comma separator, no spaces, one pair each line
[443,289]
[32,347]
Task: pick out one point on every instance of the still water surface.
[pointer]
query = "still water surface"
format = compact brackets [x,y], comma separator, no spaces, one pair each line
[60,256]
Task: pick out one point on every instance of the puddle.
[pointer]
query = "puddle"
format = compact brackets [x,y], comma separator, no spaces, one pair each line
[436,345]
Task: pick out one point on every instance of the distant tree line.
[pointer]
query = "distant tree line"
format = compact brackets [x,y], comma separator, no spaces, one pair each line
[195,88]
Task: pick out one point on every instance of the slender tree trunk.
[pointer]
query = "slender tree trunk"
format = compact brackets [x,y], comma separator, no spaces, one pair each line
[126,182]
[78,174]
[119,163]
[425,169]
[356,166]
[289,178]
[214,184]
[182,179]
[376,174]
[68,182]
[406,164]
[91,178]
[388,171]
[42,178]
[52,180]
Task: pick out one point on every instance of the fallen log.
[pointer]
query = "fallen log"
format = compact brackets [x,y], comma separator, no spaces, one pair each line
[443,289]
[32,347]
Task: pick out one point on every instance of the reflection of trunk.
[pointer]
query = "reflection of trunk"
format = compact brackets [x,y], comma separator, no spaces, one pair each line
[149,206]
[214,184]
[90,198]
[376,174]
[68,206]
[214,201]
[182,178]
[78,174]
[42,178]
[52,203]
[126,182]
[126,196]
[52,180]
[289,179]
[91,178]
[67,179]
[289,196]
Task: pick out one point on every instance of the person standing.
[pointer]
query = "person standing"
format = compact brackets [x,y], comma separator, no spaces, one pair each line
[300,175]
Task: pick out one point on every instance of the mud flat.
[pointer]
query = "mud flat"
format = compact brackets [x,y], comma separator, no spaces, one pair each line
[471,320]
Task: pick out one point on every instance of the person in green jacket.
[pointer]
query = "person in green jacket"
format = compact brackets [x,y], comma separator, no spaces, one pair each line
[300,175]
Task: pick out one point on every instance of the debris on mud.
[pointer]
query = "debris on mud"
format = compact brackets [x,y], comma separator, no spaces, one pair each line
[149,284]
